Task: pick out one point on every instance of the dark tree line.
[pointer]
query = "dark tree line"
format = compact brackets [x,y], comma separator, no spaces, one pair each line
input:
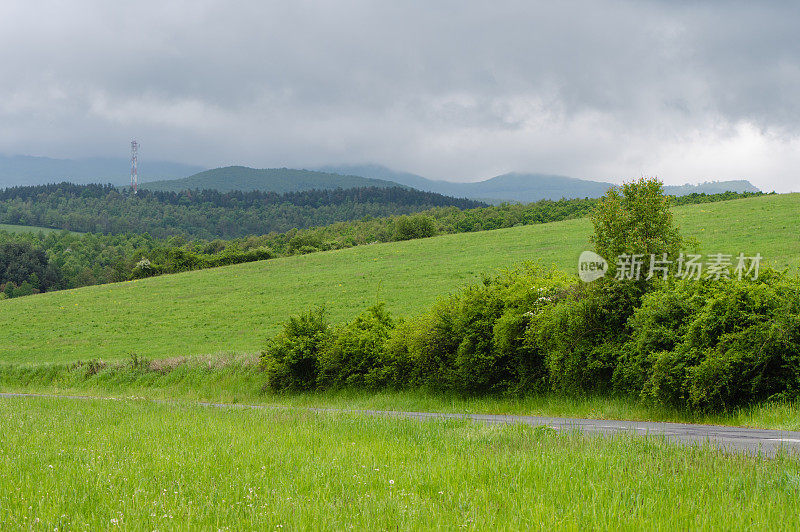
[25,270]
[206,213]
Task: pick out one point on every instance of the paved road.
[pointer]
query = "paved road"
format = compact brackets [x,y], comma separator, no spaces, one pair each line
[732,439]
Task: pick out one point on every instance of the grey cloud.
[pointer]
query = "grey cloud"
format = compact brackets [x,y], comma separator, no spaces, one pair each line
[448,89]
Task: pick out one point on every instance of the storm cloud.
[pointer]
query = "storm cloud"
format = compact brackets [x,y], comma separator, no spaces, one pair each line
[451,90]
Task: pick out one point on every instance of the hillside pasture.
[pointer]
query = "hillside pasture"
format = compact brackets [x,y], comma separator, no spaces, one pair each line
[235,308]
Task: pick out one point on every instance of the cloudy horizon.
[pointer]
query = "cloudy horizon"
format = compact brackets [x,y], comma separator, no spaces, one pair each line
[460,91]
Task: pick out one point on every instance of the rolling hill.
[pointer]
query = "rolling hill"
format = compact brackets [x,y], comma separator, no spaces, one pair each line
[235,308]
[21,170]
[279,180]
[524,187]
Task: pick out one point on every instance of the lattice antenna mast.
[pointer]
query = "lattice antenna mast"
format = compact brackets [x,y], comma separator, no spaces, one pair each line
[135,166]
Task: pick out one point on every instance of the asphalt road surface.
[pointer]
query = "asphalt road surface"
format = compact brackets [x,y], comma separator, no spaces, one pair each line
[757,442]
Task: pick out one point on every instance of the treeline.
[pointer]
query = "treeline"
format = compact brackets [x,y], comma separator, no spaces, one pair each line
[87,259]
[206,213]
[706,345]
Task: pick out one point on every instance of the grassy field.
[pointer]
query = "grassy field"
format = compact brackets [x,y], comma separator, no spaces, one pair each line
[27,229]
[234,309]
[83,464]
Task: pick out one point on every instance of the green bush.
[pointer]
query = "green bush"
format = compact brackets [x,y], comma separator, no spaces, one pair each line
[582,334]
[291,357]
[425,346]
[25,289]
[716,345]
[474,341]
[356,356]
[408,227]
[526,362]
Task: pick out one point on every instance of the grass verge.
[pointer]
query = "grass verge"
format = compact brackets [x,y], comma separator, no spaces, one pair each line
[237,379]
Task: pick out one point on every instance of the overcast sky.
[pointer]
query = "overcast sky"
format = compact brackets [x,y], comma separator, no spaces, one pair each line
[450,90]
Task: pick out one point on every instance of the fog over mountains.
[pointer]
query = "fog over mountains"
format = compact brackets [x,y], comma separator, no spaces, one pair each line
[17,170]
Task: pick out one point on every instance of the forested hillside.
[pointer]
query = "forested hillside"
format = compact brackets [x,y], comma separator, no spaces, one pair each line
[206,213]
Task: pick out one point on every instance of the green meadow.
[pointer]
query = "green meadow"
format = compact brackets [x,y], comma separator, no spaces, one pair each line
[234,309]
[87,464]
[27,229]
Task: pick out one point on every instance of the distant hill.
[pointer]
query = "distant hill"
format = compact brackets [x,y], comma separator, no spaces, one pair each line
[711,187]
[280,180]
[18,170]
[521,187]
[517,187]
[377,171]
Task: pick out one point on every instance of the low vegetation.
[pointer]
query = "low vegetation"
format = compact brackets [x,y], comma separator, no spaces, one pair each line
[239,379]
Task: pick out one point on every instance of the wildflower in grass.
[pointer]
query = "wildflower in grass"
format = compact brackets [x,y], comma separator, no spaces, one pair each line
[391,481]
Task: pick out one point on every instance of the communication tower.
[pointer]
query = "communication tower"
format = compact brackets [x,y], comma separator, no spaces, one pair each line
[135,166]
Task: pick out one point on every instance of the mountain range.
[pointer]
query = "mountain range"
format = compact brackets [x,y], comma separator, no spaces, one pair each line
[279,180]
[513,187]
[525,187]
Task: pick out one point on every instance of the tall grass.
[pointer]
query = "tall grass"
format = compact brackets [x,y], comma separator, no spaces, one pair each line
[143,466]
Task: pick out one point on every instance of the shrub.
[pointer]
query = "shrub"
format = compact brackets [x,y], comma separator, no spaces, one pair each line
[711,346]
[749,336]
[25,289]
[647,366]
[291,357]
[356,356]
[582,334]
[700,345]
[526,362]
[475,340]
[144,268]
[403,352]
[427,345]
[408,227]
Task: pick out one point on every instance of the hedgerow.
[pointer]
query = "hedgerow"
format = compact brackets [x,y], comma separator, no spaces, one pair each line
[697,345]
